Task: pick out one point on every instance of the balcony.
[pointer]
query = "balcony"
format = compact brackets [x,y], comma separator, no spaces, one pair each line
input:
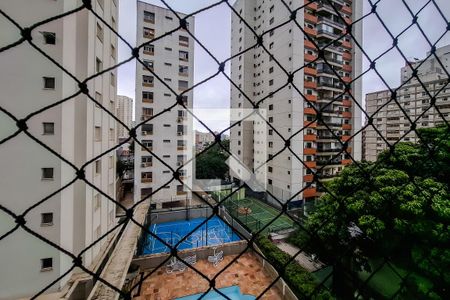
[181,133]
[310,85]
[181,193]
[329,150]
[309,124]
[310,18]
[311,32]
[345,138]
[146,180]
[181,147]
[310,45]
[312,5]
[148,147]
[309,111]
[310,57]
[309,137]
[347,126]
[147,84]
[310,164]
[312,98]
[146,165]
[346,162]
[346,9]
[348,20]
[347,56]
[310,71]
[347,45]
[347,79]
[346,114]
[309,192]
[331,22]
[308,178]
[347,68]
[180,119]
[328,162]
[309,151]
[145,100]
[327,34]
[146,117]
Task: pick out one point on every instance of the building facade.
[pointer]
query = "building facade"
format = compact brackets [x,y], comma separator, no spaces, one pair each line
[78,129]
[124,112]
[258,75]
[170,135]
[391,122]
[202,139]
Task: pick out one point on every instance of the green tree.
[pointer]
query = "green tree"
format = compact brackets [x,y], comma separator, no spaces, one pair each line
[211,164]
[400,208]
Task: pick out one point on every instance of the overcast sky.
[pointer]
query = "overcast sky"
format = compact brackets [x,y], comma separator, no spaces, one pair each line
[213,29]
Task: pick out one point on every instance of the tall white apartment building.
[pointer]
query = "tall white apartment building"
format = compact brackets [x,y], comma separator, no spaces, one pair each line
[77,129]
[170,135]
[258,76]
[388,118]
[124,112]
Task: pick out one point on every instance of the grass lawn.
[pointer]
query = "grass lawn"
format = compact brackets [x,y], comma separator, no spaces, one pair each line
[261,214]
[387,280]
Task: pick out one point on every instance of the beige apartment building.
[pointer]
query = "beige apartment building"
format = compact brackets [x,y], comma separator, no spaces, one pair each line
[258,76]
[391,122]
[170,135]
[77,129]
[124,112]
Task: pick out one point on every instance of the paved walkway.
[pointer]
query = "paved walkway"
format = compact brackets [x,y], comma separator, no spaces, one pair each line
[302,258]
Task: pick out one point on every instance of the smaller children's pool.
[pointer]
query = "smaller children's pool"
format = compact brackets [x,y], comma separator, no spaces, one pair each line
[232,292]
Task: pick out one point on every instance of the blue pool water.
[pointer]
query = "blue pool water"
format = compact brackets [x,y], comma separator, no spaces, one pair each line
[232,292]
[214,232]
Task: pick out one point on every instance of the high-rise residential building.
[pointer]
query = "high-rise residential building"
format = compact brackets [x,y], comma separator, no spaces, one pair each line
[169,136]
[391,122]
[259,75]
[73,216]
[124,112]
[203,138]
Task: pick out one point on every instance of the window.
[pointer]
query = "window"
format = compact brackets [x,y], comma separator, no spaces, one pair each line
[98,133]
[113,51]
[47,173]
[98,65]
[149,17]
[271,70]
[149,33]
[49,83]
[271,82]
[183,70]
[99,32]
[147,80]
[97,202]
[169,18]
[147,97]
[182,85]
[46,264]
[113,79]
[271,21]
[49,38]
[149,49]
[46,219]
[184,55]
[148,64]
[183,41]
[146,177]
[48,128]
[168,49]
[98,166]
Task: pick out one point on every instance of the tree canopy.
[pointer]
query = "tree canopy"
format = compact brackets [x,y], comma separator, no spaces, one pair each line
[396,209]
[211,163]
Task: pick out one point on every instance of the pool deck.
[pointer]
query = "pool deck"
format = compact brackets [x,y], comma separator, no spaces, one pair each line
[247,272]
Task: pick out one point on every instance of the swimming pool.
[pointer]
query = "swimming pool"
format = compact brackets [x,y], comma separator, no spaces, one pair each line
[232,292]
[213,232]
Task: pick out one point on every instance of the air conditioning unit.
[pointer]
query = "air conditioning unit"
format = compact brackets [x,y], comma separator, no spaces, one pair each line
[143,165]
[179,133]
[180,119]
[144,132]
[179,163]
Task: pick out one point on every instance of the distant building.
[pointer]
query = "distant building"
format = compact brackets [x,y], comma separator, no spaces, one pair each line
[76,217]
[391,121]
[258,75]
[170,135]
[202,139]
[124,112]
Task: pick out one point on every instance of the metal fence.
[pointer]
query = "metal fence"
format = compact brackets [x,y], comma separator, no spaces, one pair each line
[359,288]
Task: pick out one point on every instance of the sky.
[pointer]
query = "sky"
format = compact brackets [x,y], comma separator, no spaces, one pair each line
[212,28]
